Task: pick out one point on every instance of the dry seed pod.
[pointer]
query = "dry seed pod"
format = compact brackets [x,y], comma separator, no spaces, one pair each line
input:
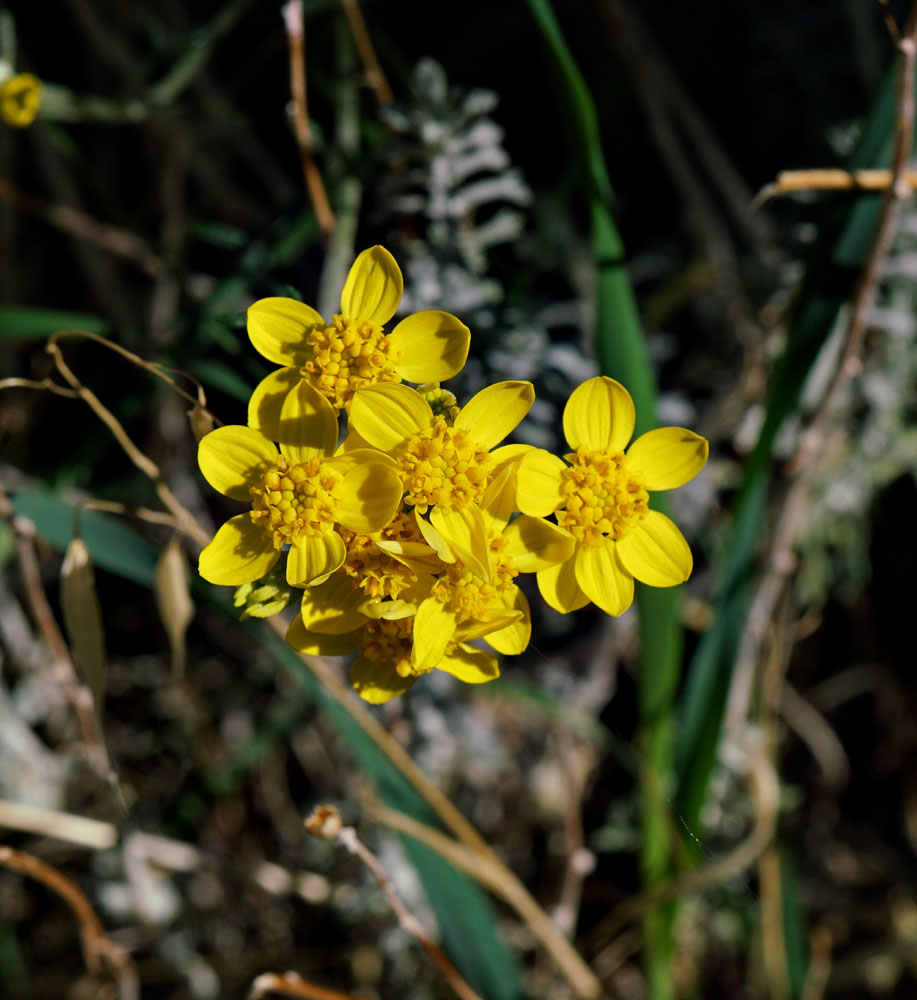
[83,619]
[201,421]
[174,601]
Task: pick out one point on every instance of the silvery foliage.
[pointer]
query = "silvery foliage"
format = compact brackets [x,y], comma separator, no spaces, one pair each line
[451,185]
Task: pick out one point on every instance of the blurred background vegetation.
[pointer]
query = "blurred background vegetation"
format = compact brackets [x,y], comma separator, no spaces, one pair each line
[578,187]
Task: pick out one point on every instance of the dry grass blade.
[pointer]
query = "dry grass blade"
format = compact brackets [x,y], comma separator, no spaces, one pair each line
[173,598]
[292,985]
[83,619]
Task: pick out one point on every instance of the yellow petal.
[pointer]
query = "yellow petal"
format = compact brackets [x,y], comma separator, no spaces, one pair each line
[233,459]
[267,400]
[241,552]
[313,558]
[279,328]
[559,588]
[508,457]
[465,533]
[387,414]
[373,287]
[668,457]
[376,681]
[495,411]
[308,425]
[434,539]
[471,665]
[533,544]
[496,618]
[603,579]
[332,607]
[433,628]
[513,639]
[393,610]
[656,552]
[599,415]
[345,460]
[429,346]
[371,494]
[538,483]
[499,500]
[318,644]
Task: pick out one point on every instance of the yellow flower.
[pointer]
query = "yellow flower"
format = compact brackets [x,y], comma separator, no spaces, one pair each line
[602,498]
[353,350]
[478,590]
[443,462]
[393,567]
[383,669]
[20,99]
[297,496]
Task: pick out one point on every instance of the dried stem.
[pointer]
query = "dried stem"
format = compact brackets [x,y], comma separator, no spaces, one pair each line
[99,951]
[293,985]
[325,822]
[372,70]
[146,465]
[831,179]
[296,36]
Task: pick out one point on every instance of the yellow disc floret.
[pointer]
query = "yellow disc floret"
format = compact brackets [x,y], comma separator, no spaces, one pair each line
[376,572]
[602,496]
[470,597]
[390,642]
[348,355]
[296,500]
[442,465]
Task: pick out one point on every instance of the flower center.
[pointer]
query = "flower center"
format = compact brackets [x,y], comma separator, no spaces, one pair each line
[470,597]
[376,572]
[391,642]
[601,496]
[296,500]
[441,465]
[347,355]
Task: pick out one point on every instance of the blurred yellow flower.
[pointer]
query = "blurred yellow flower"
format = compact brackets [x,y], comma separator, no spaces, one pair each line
[353,351]
[20,99]
[602,498]
[443,463]
[297,496]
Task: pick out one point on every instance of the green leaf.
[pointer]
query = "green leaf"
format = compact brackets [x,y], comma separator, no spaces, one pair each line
[217,375]
[33,323]
[113,545]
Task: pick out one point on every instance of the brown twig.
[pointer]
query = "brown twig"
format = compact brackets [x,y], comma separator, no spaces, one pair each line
[325,822]
[372,69]
[296,36]
[99,951]
[803,467]
[186,522]
[831,179]
[291,984]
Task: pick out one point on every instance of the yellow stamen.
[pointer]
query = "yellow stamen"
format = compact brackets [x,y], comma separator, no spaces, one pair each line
[296,500]
[602,496]
[376,572]
[468,595]
[348,355]
[441,465]
[391,642]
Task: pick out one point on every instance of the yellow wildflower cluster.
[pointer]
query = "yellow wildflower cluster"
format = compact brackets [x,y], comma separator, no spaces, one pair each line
[407,532]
